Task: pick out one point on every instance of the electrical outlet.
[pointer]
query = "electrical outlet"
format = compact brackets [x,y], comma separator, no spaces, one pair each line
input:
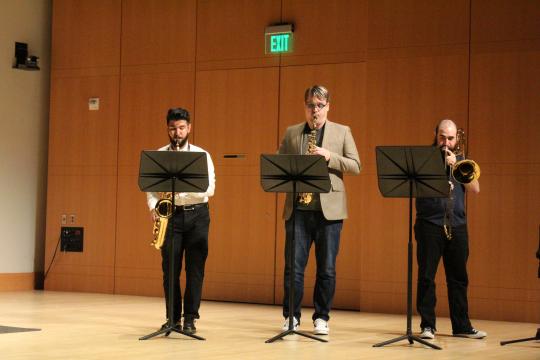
[72,219]
[71,239]
[63,220]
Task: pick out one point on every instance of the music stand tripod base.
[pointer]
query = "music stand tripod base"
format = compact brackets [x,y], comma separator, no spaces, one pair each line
[537,337]
[167,330]
[293,332]
[411,338]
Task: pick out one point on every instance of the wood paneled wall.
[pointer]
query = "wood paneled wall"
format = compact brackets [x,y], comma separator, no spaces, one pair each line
[503,136]
[394,69]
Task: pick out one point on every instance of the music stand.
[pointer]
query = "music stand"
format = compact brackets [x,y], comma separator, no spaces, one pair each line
[172,171]
[294,174]
[411,171]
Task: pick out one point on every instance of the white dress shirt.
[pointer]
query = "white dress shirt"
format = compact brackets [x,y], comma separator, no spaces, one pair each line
[188,198]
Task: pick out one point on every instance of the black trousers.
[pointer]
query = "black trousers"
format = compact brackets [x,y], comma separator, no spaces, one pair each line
[190,239]
[431,245]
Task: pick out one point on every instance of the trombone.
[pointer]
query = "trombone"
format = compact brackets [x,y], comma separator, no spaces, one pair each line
[464,171]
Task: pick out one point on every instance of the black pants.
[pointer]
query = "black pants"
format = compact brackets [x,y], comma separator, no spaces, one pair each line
[431,245]
[190,238]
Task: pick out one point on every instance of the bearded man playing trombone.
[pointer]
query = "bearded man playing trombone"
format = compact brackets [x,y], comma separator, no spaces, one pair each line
[441,231]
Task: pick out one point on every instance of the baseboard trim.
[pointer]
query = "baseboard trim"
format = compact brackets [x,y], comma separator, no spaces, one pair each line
[17,281]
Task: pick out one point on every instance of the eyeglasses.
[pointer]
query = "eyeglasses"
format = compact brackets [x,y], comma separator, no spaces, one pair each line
[319,106]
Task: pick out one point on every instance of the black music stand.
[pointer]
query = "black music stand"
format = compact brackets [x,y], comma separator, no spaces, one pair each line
[411,171]
[536,337]
[294,174]
[172,171]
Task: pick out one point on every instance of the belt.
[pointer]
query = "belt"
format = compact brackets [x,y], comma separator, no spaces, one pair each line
[192,207]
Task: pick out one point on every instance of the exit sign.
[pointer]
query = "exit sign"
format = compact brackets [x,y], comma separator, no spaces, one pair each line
[278,39]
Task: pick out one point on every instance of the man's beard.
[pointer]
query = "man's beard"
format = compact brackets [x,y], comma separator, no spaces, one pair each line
[178,143]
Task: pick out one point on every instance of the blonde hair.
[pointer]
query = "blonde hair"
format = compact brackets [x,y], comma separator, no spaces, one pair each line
[317,91]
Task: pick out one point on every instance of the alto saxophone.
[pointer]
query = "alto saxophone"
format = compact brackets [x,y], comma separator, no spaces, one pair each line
[306,198]
[164,209]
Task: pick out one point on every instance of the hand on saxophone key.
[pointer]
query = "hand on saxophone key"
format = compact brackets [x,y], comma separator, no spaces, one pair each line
[322,151]
[153,215]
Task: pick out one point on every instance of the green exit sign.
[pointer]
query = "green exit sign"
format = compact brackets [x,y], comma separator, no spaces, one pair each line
[278,39]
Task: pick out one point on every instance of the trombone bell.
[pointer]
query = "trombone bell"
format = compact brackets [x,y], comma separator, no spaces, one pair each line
[466,171]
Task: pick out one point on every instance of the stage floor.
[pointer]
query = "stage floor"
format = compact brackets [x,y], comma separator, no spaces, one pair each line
[97,326]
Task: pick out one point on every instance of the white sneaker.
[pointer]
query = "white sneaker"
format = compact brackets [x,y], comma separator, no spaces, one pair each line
[285,326]
[427,333]
[320,327]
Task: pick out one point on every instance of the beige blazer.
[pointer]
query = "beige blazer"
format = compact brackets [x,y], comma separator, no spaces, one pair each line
[344,158]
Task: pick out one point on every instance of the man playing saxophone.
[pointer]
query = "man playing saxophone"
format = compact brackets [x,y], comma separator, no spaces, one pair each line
[318,217]
[441,231]
[191,220]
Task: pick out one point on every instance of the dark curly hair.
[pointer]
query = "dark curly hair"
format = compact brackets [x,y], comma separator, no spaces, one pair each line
[177,114]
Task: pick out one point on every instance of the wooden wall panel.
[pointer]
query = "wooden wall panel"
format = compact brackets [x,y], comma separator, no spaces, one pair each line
[410,91]
[503,136]
[505,105]
[92,199]
[137,263]
[82,180]
[412,23]
[144,101]
[504,231]
[230,33]
[146,95]
[158,32]
[504,20]
[80,140]
[327,31]
[237,114]
[85,34]
[346,83]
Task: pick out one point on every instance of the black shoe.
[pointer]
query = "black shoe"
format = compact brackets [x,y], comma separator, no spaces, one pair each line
[189,326]
[166,325]
[472,334]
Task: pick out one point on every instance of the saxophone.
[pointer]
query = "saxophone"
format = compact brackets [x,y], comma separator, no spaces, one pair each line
[306,198]
[164,209]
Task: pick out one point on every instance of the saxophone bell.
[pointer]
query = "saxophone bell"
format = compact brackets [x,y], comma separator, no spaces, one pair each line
[164,210]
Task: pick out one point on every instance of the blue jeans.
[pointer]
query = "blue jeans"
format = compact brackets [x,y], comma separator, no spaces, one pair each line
[311,226]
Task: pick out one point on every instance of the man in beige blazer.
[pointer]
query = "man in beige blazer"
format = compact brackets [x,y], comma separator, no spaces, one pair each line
[318,217]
